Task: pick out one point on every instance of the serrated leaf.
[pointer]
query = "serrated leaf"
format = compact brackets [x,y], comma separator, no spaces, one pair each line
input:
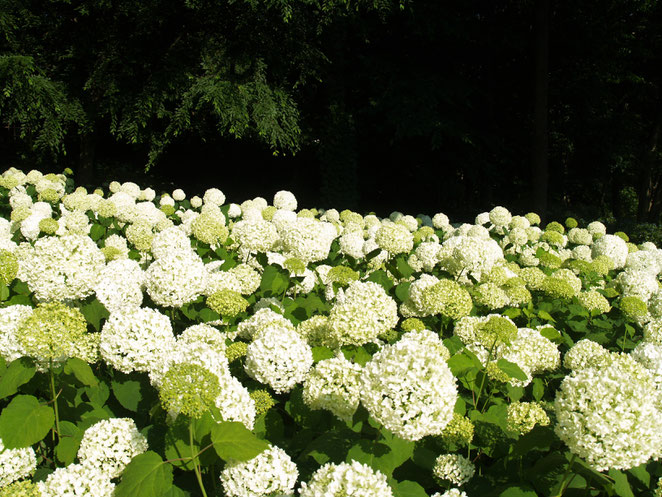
[546,316]
[207,315]
[127,393]
[550,333]
[233,441]
[381,278]
[518,491]
[321,353]
[407,488]
[621,483]
[511,369]
[94,312]
[25,422]
[81,370]
[402,291]
[641,474]
[67,448]
[147,475]
[19,372]
[538,389]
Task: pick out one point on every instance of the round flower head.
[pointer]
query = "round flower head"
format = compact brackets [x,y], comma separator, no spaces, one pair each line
[307,239]
[110,444]
[285,200]
[408,386]
[523,416]
[23,488]
[120,285]
[279,358]
[333,384]
[649,355]
[189,389]
[210,229]
[52,332]
[260,236]
[345,479]
[176,280]
[453,492]
[613,247]
[261,320]
[11,318]
[365,312]
[61,268]
[454,468]
[448,298]
[474,255]
[269,473]
[500,216]
[394,238]
[608,415]
[76,480]
[594,302]
[16,464]
[458,433]
[135,339]
[227,303]
[214,196]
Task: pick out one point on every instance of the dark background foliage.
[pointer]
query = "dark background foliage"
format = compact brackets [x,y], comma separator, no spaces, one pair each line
[421,106]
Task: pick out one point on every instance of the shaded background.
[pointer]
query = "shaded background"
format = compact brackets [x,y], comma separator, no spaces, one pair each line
[420,106]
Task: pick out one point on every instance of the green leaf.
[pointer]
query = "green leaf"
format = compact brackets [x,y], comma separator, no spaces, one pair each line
[98,394]
[321,353]
[128,393]
[233,441]
[550,333]
[546,316]
[641,474]
[518,491]
[94,312]
[402,291]
[25,422]
[407,488]
[147,475]
[178,447]
[381,277]
[511,369]
[81,370]
[538,389]
[4,292]
[19,372]
[70,437]
[274,280]
[621,484]
[207,315]
[403,267]
[97,231]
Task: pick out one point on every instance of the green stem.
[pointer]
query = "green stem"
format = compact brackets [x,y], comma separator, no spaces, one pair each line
[194,458]
[57,414]
[482,383]
[564,484]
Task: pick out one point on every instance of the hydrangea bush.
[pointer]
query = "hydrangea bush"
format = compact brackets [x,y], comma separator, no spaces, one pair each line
[153,344]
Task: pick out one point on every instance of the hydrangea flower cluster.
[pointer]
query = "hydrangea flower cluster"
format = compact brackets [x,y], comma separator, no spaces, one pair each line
[269,473]
[16,464]
[344,479]
[408,387]
[454,468]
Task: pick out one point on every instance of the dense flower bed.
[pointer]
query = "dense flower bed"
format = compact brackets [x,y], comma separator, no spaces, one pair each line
[170,346]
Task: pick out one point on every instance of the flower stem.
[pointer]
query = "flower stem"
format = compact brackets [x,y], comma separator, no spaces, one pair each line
[194,458]
[564,484]
[57,415]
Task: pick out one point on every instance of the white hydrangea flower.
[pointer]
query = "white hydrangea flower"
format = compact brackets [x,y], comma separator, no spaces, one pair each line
[11,318]
[409,388]
[278,357]
[176,280]
[61,268]
[649,355]
[147,194]
[613,247]
[453,492]
[365,312]
[333,384]
[307,239]
[285,200]
[638,283]
[76,480]
[16,464]
[214,196]
[454,468]
[345,479]
[469,254]
[586,353]
[270,472]
[258,236]
[351,243]
[120,285]
[394,238]
[110,444]
[134,339]
[500,216]
[597,228]
[609,415]
[262,319]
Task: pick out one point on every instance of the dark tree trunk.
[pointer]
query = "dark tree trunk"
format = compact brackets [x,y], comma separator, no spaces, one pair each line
[648,207]
[85,171]
[539,156]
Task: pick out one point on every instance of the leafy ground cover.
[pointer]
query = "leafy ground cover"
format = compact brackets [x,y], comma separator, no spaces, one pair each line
[159,345]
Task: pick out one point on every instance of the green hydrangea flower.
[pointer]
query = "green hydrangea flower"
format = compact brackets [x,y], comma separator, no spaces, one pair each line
[533,218]
[168,210]
[496,330]
[48,226]
[236,350]
[52,332]
[633,307]
[632,247]
[459,432]
[594,301]
[342,275]
[423,233]
[412,324]
[554,226]
[227,303]
[263,401]
[8,267]
[553,238]
[49,195]
[348,216]
[549,260]
[20,214]
[558,288]
[209,229]
[107,209]
[571,222]
[140,235]
[447,298]
[23,488]
[602,264]
[269,212]
[622,235]
[523,416]
[294,265]
[305,213]
[189,389]
[111,253]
